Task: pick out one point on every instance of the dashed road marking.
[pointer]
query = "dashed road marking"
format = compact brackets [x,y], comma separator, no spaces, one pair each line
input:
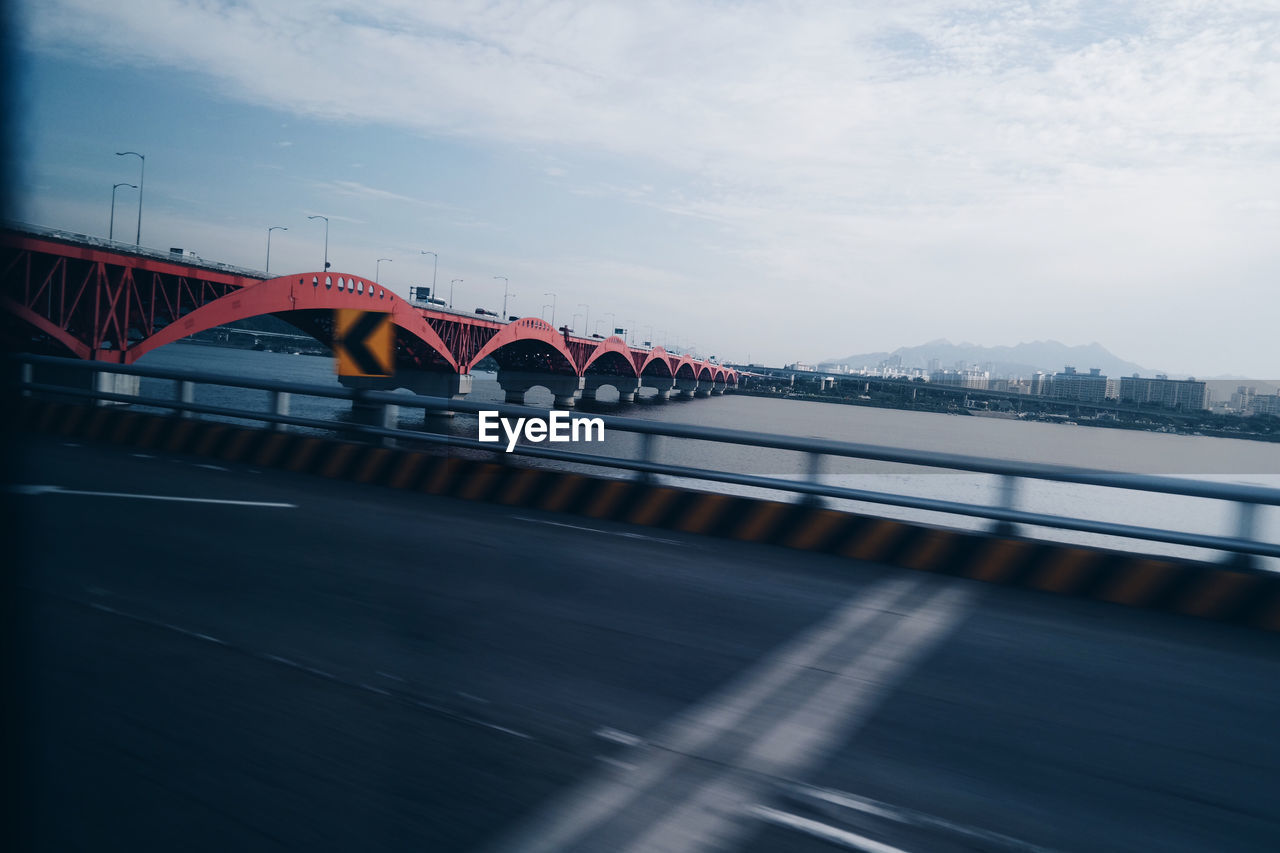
[623,533]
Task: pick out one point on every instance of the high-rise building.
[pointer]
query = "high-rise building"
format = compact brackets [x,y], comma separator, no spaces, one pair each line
[1184,394]
[964,378]
[1266,404]
[1088,387]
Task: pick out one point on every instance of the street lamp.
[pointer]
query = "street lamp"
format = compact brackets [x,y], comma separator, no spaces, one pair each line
[649,338]
[142,182]
[573,322]
[613,323]
[506,287]
[269,230]
[553,308]
[326,239]
[586,316]
[377,268]
[435,261]
[111,229]
[451,284]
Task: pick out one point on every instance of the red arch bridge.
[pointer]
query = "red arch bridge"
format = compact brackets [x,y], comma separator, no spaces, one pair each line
[70,294]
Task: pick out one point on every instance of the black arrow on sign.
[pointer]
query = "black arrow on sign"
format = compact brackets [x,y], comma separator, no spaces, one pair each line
[353,341]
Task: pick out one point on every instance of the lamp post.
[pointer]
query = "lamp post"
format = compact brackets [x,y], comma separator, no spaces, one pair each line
[553,308]
[326,239]
[649,338]
[573,322]
[435,261]
[142,182]
[269,230]
[586,316]
[613,323]
[111,228]
[506,288]
[377,268]
[663,332]
[451,284]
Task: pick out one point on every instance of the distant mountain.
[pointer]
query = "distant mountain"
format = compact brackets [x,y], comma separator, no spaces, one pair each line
[1020,360]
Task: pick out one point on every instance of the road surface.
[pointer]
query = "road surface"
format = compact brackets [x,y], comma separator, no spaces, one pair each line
[223,658]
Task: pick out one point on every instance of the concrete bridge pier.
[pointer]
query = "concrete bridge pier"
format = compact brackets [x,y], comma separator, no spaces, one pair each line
[717,388]
[664,385]
[100,382]
[702,390]
[685,388]
[425,383]
[627,386]
[564,387]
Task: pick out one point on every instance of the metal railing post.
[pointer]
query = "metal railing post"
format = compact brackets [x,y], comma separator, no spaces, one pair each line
[646,455]
[25,374]
[186,394]
[1246,522]
[814,476]
[1008,497]
[279,408]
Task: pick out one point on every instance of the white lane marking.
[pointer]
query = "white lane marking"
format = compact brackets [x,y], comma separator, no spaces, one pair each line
[319,673]
[824,831]
[621,765]
[389,675]
[624,534]
[616,736]
[59,490]
[142,456]
[210,467]
[601,797]
[707,819]
[911,817]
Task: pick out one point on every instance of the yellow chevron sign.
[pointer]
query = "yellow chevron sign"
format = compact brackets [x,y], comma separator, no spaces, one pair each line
[363,342]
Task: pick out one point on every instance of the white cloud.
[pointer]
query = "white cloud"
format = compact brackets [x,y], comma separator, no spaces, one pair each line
[1112,151]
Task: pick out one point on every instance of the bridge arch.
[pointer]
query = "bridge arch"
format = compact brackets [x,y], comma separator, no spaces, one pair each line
[612,356]
[686,368]
[302,295]
[657,363]
[527,343]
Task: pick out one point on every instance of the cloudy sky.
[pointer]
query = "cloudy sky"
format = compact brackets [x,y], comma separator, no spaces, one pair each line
[764,180]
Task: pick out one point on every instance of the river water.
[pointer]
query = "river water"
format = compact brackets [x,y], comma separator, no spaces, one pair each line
[1130,451]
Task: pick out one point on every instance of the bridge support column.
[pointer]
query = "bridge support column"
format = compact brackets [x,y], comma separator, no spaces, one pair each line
[717,388]
[664,385]
[685,388]
[100,382]
[627,386]
[564,387]
[702,390]
[425,383]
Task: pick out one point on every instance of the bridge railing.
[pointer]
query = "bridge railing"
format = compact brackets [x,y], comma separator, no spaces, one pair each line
[1244,543]
[185,259]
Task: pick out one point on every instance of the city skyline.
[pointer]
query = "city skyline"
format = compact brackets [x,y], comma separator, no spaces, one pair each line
[773,183]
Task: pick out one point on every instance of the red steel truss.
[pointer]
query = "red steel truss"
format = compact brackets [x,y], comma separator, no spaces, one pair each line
[62,294]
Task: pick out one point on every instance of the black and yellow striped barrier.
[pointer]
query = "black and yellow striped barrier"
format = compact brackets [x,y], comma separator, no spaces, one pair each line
[1180,586]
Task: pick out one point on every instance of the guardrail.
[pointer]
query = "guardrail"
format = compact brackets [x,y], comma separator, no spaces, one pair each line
[1246,498]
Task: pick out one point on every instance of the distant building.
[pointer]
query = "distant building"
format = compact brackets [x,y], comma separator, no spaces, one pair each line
[964,378]
[1088,387]
[1040,383]
[1183,394]
[1242,399]
[1266,404]
[807,368]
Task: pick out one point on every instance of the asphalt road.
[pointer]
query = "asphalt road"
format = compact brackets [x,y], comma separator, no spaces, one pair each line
[364,669]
